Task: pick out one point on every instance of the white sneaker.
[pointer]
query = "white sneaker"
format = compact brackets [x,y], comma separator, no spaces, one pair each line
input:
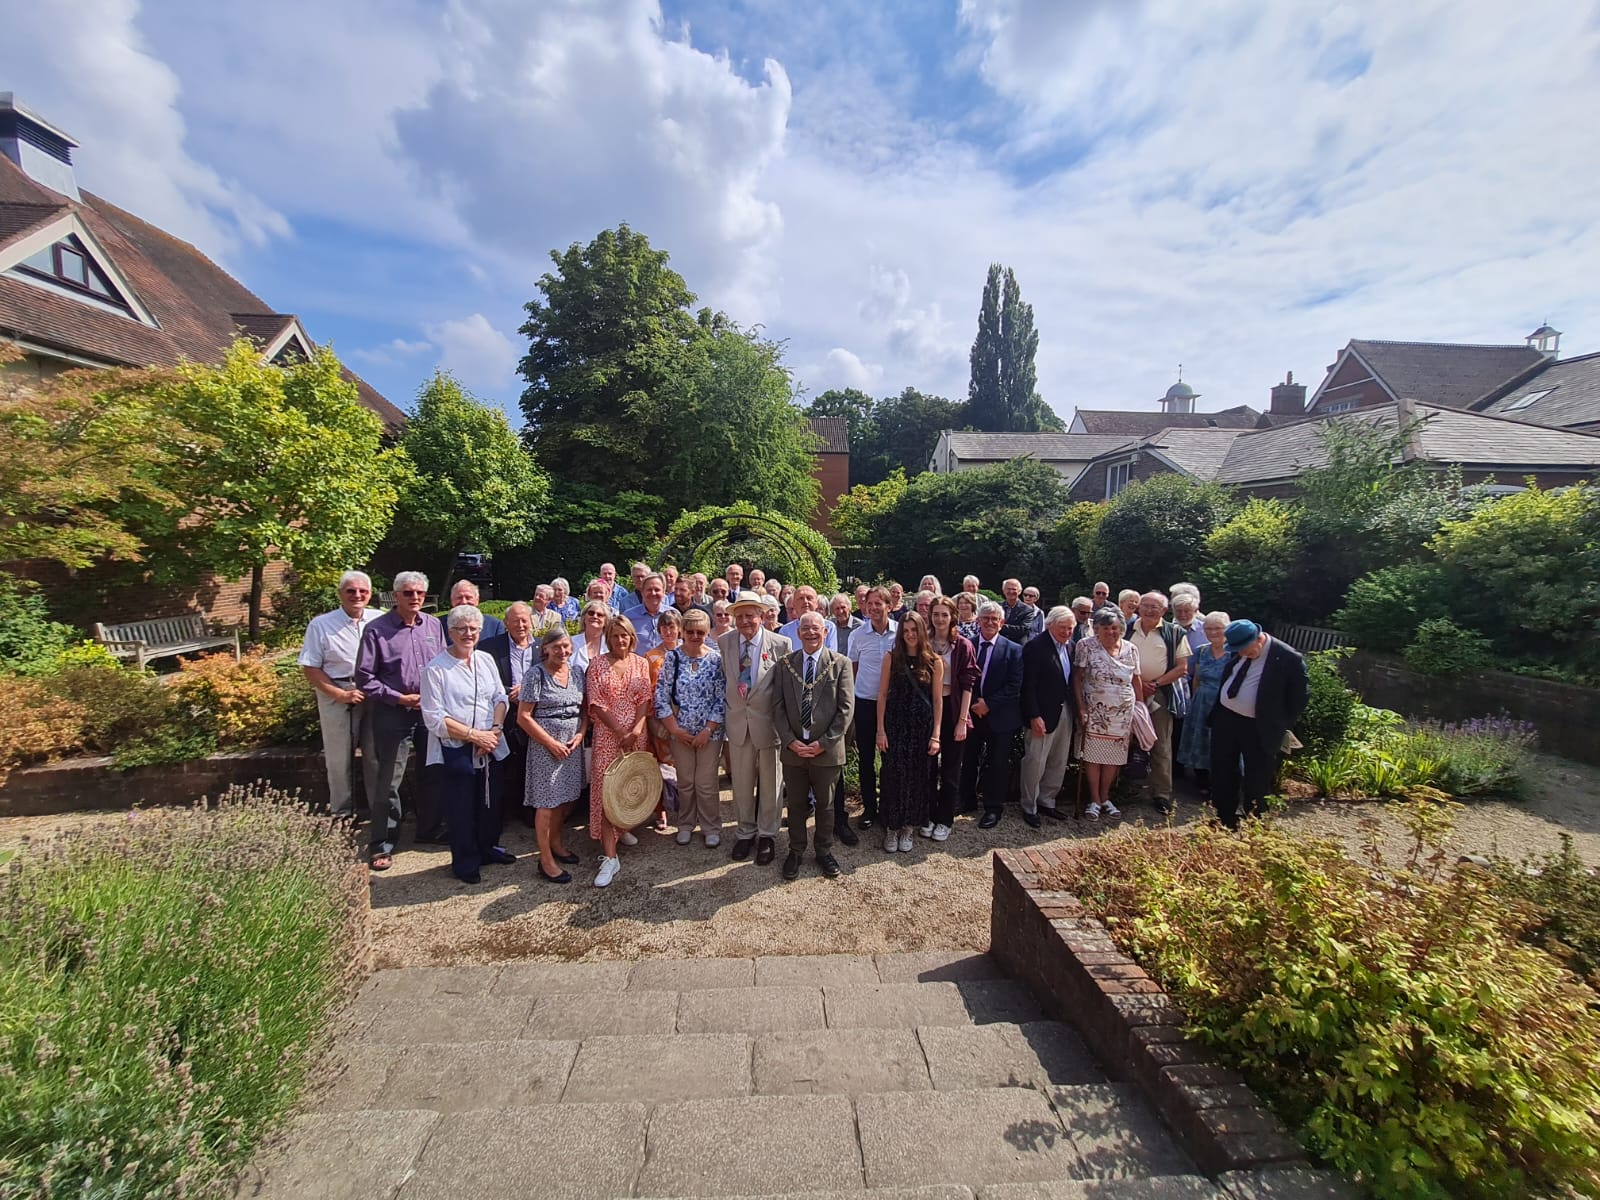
[1092,812]
[1108,809]
[941,833]
[713,840]
[926,830]
[627,839]
[905,840]
[607,872]
[891,841]
[684,835]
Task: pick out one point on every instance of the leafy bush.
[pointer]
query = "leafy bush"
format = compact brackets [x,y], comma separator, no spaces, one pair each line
[29,640]
[1155,531]
[237,700]
[298,723]
[1566,896]
[1248,559]
[1481,757]
[1442,647]
[1388,1012]
[1329,702]
[118,705]
[165,984]
[34,724]
[1383,609]
[495,608]
[1389,758]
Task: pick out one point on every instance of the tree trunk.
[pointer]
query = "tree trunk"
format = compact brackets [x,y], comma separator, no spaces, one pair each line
[258,575]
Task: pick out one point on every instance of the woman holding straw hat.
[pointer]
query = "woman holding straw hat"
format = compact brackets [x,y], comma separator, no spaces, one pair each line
[619,701]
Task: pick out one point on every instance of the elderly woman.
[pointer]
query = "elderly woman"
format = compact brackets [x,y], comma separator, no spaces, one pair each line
[463,706]
[960,677]
[618,684]
[769,613]
[897,602]
[600,590]
[545,616]
[1128,602]
[967,615]
[669,625]
[691,705]
[1206,668]
[921,602]
[1103,670]
[562,600]
[930,583]
[591,643]
[550,711]
[721,622]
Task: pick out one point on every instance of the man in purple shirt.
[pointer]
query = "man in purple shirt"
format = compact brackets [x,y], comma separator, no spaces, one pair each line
[394,650]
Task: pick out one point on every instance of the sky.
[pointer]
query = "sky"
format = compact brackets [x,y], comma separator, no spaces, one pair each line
[1238,187]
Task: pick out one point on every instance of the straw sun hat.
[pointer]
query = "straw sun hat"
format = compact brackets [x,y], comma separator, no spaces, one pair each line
[632,788]
[745,600]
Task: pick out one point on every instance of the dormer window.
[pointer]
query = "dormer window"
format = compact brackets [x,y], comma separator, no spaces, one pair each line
[69,264]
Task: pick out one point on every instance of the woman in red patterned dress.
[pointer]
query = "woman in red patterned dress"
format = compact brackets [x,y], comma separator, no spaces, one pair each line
[619,697]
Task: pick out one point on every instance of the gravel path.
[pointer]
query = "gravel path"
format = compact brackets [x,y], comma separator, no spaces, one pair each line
[687,901]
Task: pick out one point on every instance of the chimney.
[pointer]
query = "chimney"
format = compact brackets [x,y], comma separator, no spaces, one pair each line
[1288,398]
[42,151]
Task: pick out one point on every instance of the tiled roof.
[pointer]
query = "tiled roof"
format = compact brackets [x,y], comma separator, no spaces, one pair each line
[834,432]
[1196,452]
[1442,372]
[195,302]
[17,219]
[260,327]
[1147,424]
[1573,385]
[1047,447]
[1448,435]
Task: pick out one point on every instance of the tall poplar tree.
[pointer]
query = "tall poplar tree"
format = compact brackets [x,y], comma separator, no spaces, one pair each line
[1001,395]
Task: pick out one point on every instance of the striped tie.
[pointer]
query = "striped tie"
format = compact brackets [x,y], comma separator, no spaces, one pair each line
[805,694]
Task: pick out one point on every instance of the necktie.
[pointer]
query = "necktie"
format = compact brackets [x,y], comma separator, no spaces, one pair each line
[745,677]
[805,694]
[983,661]
[1238,677]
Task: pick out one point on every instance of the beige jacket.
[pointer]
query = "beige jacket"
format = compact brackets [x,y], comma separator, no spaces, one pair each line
[750,717]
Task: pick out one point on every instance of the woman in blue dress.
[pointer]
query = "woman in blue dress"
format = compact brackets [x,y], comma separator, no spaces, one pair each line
[1206,667]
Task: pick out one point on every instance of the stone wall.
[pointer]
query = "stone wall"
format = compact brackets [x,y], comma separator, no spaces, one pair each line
[1567,716]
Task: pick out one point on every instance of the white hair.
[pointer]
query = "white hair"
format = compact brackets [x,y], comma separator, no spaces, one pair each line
[1077,600]
[355,577]
[466,583]
[522,604]
[989,606]
[1216,618]
[972,579]
[1178,589]
[463,614]
[1060,613]
[410,579]
[544,589]
[561,584]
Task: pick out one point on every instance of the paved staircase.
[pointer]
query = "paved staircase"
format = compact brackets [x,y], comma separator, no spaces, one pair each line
[926,1076]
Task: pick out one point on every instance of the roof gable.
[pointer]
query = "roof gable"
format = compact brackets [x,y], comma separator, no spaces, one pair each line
[1443,373]
[972,446]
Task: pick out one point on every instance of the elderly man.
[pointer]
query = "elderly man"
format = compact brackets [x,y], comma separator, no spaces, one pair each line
[996,715]
[1019,615]
[805,600]
[860,610]
[542,612]
[1186,616]
[652,599]
[464,591]
[1083,610]
[515,653]
[969,584]
[1101,594]
[844,624]
[637,575]
[1264,691]
[718,589]
[812,707]
[562,600]
[1163,659]
[734,578]
[328,661]
[868,644]
[669,576]
[615,594]
[751,657]
[1030,595]
[700,589]
[1049,713]
[395,648]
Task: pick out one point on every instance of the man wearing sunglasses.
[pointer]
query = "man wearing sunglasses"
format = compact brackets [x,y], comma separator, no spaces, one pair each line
[328,661]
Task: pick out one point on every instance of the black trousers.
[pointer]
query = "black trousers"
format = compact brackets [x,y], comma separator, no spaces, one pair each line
[988,754]
[474,816]
[866,722]
[1234,738]
[947,767]
[510,780]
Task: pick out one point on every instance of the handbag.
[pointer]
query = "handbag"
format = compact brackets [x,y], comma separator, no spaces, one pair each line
[1178,697]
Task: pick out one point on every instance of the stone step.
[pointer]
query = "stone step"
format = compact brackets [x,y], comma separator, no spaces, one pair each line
[755,1145]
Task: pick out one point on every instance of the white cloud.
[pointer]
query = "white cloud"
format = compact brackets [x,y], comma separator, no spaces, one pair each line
[843,368]
[391,353]
[475,352]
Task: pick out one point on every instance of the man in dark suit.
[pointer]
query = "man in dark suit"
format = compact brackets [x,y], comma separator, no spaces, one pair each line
[996,715]
[1018,617]
[812,707]
[1264,691]
[1048,711]
[515,652]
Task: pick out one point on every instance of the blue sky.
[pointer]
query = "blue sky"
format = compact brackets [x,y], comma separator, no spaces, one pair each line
[1239,187]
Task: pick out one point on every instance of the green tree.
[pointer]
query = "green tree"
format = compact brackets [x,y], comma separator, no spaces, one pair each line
[1154,531]
[476,487]
[1066,543]
[587,526]
[1002,391]
[909,425]
[854,515]
[270,463]
[1248,559]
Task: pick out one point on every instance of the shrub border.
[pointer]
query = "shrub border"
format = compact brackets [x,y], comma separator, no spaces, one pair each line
[1046,940]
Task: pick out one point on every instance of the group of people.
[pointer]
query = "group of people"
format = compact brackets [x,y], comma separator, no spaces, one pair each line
[767,681]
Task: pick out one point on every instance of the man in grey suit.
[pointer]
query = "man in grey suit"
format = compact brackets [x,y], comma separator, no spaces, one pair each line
[751,659]
[812,706]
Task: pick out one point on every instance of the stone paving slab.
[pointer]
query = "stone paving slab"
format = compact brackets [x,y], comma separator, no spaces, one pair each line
[1161,1187]
[575,1016]
[353,1073]
[752,1010]
[940,1192]
[652,1069]
[751,1145]
[543,979]
[1115,1134]
[815,970]
[936,966]
[446,1019]
[839,1061]
[691,974]
[1287,1183]
[340,1156]
[553,1151]
[452,1078]
[991,1000]
[430,981]
[1003,1135]
[1037,1054]
[895,1006]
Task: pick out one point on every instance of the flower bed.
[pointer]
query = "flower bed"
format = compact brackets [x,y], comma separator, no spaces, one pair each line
[165,984]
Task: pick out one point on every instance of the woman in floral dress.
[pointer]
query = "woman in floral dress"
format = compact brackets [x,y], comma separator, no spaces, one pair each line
[1104,668]
[669,625]
[619,700]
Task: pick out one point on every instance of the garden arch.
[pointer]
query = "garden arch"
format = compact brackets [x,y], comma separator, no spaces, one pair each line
[699,541]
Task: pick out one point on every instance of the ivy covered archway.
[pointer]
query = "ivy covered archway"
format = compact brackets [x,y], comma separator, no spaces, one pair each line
[699,541]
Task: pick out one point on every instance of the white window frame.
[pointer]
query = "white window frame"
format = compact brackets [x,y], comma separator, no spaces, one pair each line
[1122,468]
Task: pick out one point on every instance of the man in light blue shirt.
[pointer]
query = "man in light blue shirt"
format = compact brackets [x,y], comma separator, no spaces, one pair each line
[805,600]
[868,645]
[644,615]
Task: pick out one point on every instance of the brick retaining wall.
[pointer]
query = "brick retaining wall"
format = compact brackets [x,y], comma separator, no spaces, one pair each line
[1046,940]
[76,784]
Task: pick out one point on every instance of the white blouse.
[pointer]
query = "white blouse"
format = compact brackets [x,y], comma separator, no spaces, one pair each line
[464,690]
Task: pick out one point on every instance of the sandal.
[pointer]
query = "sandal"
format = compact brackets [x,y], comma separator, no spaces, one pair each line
[381,862]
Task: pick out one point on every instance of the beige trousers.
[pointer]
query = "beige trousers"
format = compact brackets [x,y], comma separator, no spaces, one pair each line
[698,800]
[1044,764]
[756,803]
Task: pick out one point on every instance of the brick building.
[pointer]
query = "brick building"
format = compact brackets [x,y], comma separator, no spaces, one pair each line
[832,469]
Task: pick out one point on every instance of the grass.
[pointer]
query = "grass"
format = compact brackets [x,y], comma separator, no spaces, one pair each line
[164,986]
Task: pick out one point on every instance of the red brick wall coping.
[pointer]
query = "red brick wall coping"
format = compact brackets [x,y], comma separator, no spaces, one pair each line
[78,784]
[1045,939]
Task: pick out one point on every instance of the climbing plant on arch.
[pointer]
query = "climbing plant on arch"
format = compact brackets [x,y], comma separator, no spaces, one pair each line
[699,540]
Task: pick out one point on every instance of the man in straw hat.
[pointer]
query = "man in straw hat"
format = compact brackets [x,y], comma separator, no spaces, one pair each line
[813,703]
[750,658]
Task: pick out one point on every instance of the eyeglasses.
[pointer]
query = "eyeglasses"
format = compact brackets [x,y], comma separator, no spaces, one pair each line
[694,633]
[411,592]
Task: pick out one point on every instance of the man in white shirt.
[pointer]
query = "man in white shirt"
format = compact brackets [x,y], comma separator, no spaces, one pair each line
[867,647]
[1163,659]
[328,661]
[803,601]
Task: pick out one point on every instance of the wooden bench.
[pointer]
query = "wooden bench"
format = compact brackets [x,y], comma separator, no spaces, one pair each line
[142,641]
